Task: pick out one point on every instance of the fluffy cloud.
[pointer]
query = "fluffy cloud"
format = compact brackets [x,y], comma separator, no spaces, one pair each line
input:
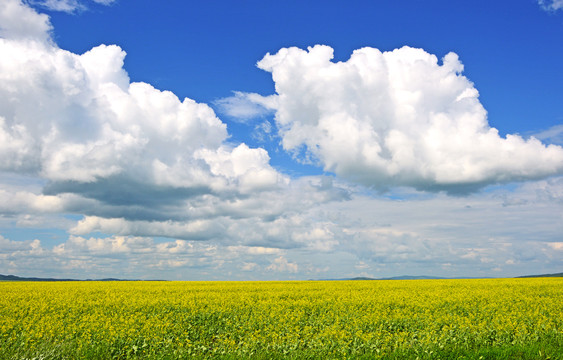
[125,159]
[397,118]
[105,146]
[77,118]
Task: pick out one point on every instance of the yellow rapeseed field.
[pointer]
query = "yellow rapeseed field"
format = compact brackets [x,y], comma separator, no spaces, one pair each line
[488,318]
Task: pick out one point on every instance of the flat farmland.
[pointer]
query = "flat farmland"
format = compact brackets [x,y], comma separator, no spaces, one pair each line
[408,319]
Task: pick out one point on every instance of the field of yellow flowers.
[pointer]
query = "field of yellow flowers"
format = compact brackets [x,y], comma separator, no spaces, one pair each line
[425,319]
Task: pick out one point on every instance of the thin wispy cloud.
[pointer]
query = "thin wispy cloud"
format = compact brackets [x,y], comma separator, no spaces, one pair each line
[69,6]
[245,107]
[553,135]
[551,5]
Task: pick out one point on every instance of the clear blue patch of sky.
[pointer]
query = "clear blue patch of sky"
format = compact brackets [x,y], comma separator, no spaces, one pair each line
[49,236]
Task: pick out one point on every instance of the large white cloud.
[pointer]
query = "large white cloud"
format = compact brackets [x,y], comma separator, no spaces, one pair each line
[78,122]
[397,118]
[77,117]
[132,159]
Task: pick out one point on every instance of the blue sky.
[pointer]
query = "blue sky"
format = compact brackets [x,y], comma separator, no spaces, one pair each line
[318,139]
[510,48]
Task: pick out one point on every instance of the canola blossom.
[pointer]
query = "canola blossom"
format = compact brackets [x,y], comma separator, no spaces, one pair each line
[425,319]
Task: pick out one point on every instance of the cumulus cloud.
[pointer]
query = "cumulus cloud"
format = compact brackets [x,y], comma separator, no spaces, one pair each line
[397,118]
[108,147]
[132,161]
[88,122]
[551,5]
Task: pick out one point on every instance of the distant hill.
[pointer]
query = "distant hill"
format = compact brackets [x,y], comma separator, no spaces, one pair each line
[19,278]
[409,277]
[543,275]
[403,277]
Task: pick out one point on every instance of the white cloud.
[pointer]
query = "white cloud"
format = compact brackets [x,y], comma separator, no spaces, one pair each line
[551,5]
[192,230]
[320,238]
[21,22]
[557,246]
[247,106]
[254,250]
[281,264]
[29,202]
[275,219]
[69,6]
[249,266]
[552,135]
[93,133]
[137,258]
[248,167]
[375,236]
[104,246]
[130,161]
[62,5]
[397,118]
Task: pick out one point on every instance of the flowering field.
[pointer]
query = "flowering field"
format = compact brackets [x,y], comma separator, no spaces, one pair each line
[428,319]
